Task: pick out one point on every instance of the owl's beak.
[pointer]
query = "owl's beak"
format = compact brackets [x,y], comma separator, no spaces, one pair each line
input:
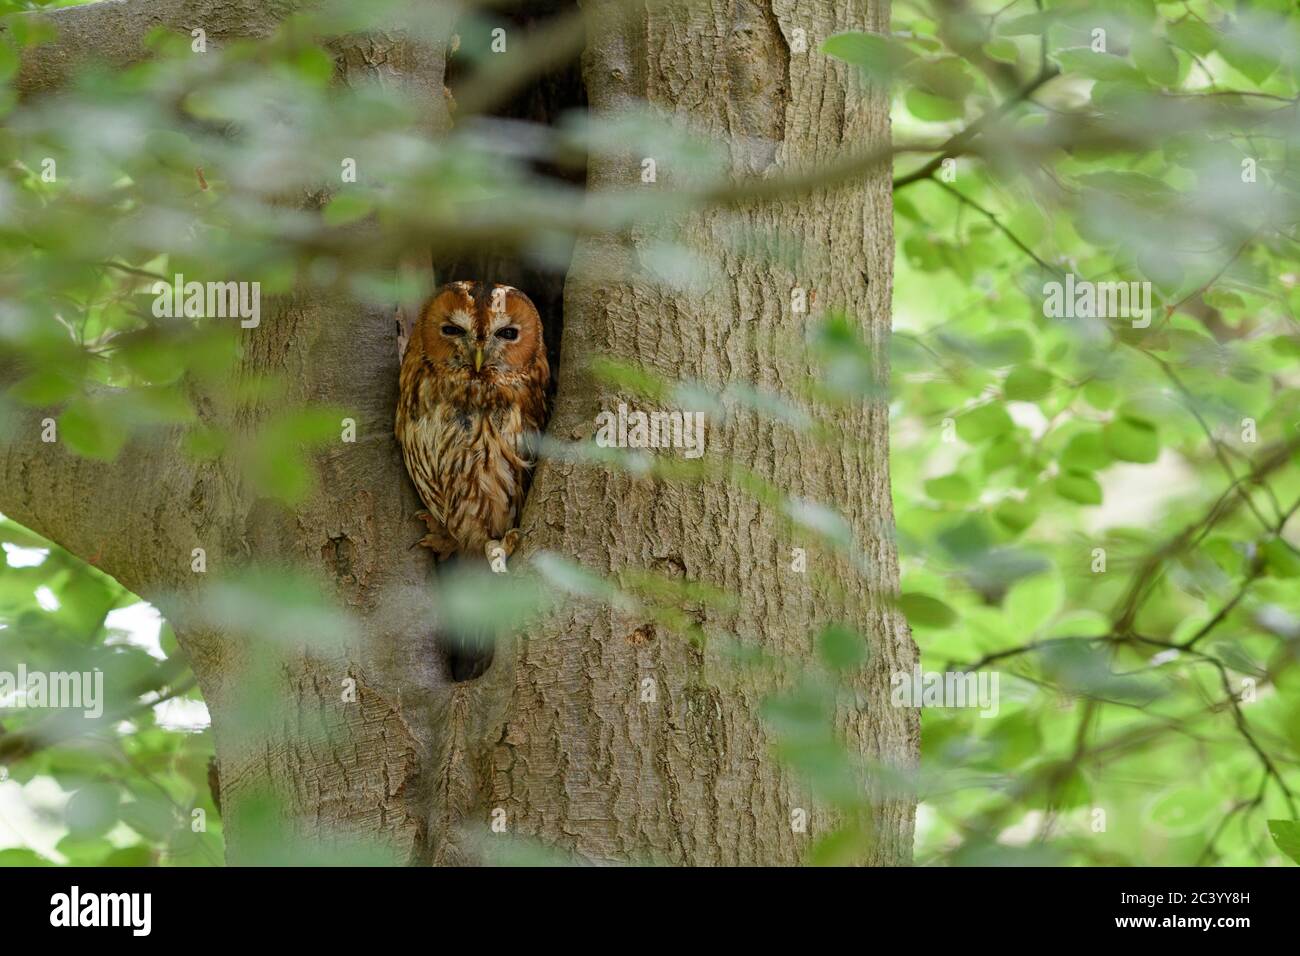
[478,358]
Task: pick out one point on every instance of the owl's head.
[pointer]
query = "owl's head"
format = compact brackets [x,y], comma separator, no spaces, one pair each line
[485,336]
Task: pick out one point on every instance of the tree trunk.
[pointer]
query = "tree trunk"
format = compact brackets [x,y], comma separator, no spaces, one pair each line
[690,778]
[558,740]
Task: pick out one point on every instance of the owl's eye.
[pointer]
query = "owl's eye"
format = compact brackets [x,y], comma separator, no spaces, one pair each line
[452,330]
[509,333]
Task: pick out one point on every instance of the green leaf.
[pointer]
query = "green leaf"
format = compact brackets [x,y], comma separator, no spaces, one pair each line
[1280,559]
[271,604]
[984,422]
[15,856]
[953,488]
[816,517]
[1071,791]
[91,430]
[1100,394]
[477,605]
[1082,667]
[1098,66]
[1248,51]
[1027,383]
[314,65]
[635,378]
[1017,738]
[1138,187]
[138,855]
[8,61]
[574,579]
[203,443]
[31,31]
[842,648]
[1085,452]
[1132,439]
[92,810]
[1002,451]
[1193,35]
[1033,602]
[880,57]
[946,77]
[151,815]
[933,109]
[922,610]
[1079,487]
[84,849]
[278,464]
[1154,58]
[1015,516]
[1003,50]
[844,846]
[1011,347]
[46,387]
[1286,834]
[346,207]
[1029,24]
[1287,346]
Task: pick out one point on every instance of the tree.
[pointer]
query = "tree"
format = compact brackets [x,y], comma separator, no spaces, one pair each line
[1090,382]
[616,728]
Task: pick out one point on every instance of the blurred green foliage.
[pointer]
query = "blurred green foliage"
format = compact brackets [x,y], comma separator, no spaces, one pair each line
[120,788]
[1045,470]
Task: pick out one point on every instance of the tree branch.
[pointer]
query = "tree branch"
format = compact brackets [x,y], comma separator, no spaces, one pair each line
[959,142]
[1001,227]
[94,508]
[113,32]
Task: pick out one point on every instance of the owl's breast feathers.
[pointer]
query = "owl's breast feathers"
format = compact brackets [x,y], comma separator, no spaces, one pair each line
[469,448]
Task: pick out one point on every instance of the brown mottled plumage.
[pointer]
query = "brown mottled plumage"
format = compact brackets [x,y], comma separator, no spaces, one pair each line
[472,399]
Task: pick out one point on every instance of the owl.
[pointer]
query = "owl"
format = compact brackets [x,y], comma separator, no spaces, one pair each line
[471,404]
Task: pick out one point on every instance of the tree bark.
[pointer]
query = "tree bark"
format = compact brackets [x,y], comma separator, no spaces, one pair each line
[555,741]
[113,32]
[690,779]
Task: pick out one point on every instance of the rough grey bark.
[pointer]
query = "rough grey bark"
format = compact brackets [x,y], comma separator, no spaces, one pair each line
[555,736]
[112,32]
[690,778]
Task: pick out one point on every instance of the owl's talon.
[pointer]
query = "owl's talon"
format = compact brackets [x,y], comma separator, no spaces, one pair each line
[439,544]
[438,540]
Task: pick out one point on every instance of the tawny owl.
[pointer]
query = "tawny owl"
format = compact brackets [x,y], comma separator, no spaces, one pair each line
[472,401]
